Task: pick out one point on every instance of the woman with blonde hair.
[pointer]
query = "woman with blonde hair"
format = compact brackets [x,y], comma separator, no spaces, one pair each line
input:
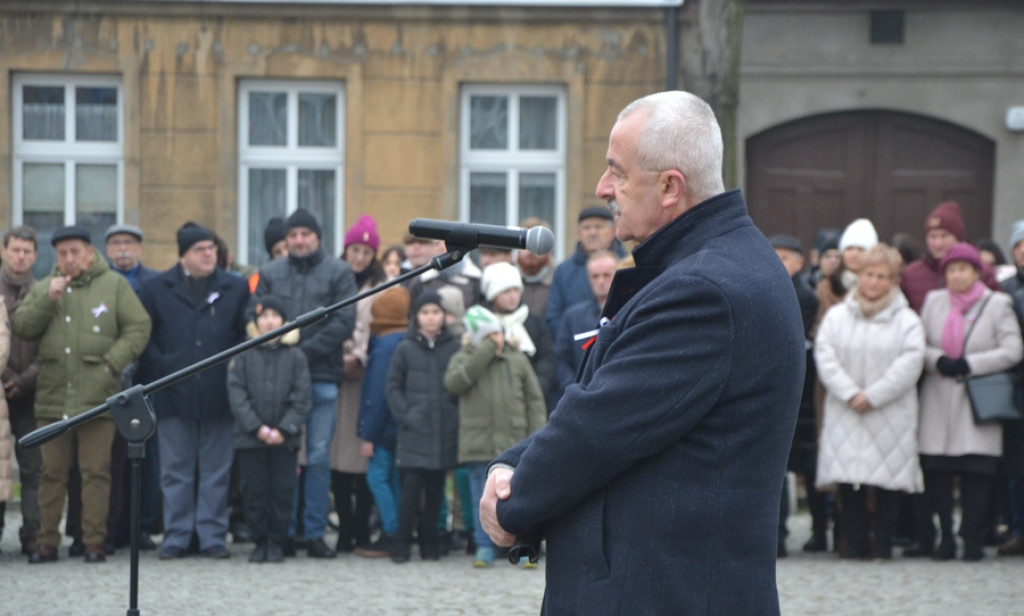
[869,351]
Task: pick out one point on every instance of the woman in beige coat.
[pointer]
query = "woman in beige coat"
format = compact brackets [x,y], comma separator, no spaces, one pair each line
[950,442]
[352,498]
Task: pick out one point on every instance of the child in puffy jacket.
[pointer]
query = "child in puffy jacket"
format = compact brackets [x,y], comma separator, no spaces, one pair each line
[500,403]
[270,395]
[427,417]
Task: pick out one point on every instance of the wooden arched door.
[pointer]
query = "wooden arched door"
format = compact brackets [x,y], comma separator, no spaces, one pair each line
[891,167]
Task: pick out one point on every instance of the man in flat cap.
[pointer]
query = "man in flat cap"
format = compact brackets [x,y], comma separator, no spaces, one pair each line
[198,310]
[570,284]
[124,252]
[89,325]
[803,455]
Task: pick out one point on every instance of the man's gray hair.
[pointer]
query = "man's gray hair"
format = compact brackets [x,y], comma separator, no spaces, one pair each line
[681,132]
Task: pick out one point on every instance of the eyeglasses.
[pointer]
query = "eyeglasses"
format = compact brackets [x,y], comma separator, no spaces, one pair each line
[204,248]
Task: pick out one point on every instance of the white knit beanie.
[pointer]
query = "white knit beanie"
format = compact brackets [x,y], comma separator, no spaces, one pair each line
[480,323]
[499,277]
[1018,233]
[859,233]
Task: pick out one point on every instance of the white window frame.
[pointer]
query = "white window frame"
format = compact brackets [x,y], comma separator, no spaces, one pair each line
[69,151]
[291,157]
[512,161]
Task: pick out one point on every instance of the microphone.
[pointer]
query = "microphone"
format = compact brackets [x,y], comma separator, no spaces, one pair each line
[538,240]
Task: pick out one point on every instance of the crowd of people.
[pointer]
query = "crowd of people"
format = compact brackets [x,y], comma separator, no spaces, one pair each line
[386,412]
[887,436]
[391,410]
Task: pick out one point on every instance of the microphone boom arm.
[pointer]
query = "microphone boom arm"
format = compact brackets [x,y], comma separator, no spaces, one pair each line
[49,432]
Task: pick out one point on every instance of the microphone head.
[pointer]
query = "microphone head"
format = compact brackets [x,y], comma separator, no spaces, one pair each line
[539,240]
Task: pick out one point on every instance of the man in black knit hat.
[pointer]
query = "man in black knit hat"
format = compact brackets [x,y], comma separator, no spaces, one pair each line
[306,280]
[198,310]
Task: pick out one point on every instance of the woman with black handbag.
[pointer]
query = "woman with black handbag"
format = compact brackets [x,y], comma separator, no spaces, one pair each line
[970,331]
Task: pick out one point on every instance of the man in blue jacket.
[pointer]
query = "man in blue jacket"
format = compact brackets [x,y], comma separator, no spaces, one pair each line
[656,482]
[570,285]
[198,310]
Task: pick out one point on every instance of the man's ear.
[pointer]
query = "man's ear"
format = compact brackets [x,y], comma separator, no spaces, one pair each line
[672,187]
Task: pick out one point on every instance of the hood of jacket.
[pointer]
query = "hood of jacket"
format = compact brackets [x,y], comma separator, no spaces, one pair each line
[99,266]
[289,339]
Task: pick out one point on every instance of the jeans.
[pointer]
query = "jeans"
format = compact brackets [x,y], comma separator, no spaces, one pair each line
[317,477]
[477,481]
[382,479]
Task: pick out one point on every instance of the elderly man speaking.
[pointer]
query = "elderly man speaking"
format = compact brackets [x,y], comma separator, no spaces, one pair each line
[656,482]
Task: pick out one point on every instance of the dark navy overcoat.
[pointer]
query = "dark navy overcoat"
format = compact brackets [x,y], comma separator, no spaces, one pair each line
[656,482]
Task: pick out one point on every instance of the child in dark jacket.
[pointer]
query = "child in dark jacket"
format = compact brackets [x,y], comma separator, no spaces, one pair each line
[428,425]
[270,395]
[376,425]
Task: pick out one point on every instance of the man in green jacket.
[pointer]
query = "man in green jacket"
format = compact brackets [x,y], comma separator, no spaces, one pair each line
[89,325]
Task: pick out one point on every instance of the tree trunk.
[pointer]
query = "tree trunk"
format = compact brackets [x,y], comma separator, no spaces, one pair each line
[711,35]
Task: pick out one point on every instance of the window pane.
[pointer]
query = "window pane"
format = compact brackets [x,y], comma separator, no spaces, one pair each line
[488,123]
[317,119]
[44,223]
[43,113]
[267,199]
[96,114]
[43,188]
[537,195]
[487,198]
[316,194]
[268,118]
[95,189]
[537,123]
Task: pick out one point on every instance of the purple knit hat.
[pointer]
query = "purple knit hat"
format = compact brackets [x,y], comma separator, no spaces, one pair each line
[962,252]
[364,232]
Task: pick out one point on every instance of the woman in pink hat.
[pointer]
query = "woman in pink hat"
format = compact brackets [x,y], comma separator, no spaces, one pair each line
[352,499]
[970,330]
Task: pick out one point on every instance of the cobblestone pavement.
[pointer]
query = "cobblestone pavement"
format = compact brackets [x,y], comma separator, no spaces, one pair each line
[808,584]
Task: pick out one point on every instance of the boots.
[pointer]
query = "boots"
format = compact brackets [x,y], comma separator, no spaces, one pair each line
[817,542]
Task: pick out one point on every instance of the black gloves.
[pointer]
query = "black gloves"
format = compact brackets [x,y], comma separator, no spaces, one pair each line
[952,367]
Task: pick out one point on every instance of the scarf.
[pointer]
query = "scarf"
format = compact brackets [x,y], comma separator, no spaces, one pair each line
[953,329]
[514,324]
[872,307]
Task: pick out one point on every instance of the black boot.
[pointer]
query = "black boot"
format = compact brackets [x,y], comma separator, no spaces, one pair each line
[973,551]
[817,543]
[919,549]
[947,549]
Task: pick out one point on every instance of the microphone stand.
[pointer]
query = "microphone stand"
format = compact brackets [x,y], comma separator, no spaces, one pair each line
[136,422]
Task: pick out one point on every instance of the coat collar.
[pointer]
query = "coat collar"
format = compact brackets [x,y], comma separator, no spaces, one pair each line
[680,238]
[174,280]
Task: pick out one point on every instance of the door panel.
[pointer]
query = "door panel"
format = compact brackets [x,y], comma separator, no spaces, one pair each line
[894,168]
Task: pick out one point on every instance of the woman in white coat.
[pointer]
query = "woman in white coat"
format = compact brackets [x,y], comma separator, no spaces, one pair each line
[951,443]
[869,352]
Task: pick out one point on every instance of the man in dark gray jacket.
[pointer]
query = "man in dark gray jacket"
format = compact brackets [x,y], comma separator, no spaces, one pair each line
[306,280]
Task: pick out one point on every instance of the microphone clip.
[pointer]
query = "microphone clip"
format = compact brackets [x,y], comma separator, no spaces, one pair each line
[460,241]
